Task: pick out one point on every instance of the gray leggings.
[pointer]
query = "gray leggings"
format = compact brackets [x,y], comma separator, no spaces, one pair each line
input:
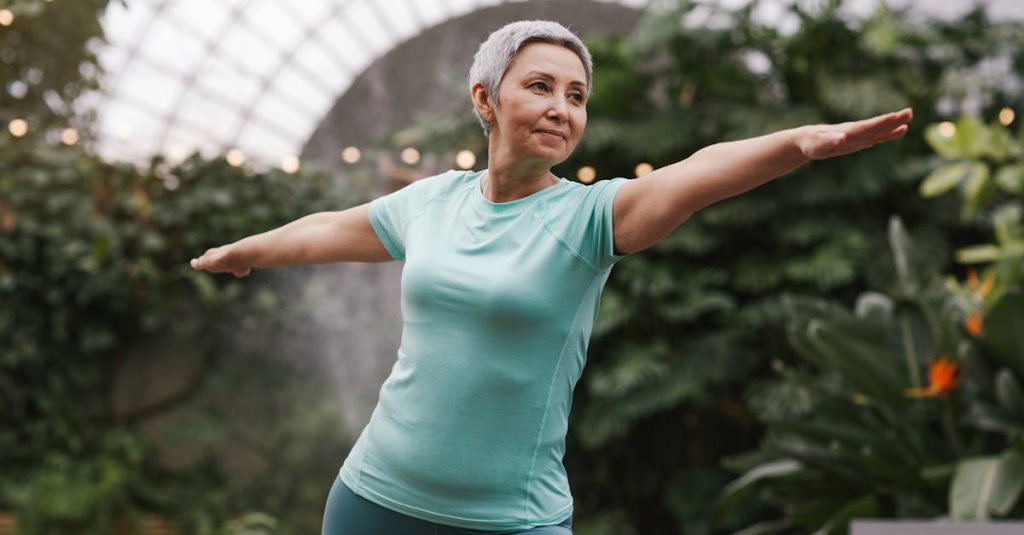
[350,514]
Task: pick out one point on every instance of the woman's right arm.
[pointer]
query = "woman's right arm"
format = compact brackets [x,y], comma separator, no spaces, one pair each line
[319,238]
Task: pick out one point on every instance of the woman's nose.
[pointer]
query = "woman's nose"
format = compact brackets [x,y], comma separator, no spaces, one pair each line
[557,109]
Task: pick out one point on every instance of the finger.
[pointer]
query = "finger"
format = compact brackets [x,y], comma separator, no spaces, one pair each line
[895,133]
[880,123]
[194,262]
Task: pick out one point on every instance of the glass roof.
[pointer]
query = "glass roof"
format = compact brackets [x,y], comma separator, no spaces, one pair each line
[259,75]
[256,75]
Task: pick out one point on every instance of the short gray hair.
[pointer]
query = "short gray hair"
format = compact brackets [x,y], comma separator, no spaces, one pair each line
[496,53]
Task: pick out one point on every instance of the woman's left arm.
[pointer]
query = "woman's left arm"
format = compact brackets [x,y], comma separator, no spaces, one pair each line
[650,207]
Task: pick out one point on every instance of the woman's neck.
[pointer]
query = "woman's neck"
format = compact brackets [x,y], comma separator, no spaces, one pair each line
[508,178]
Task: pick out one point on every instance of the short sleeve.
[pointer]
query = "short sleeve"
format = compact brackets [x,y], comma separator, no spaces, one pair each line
[586,224]
[391,214]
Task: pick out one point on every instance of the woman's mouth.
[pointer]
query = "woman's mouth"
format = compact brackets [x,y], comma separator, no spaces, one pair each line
[550,134]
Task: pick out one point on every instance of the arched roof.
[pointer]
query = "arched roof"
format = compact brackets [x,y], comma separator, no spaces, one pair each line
[261,75]
[257,75]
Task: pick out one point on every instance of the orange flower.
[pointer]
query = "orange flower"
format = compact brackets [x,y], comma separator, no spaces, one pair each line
[942,379]
[980,290]
[974,324]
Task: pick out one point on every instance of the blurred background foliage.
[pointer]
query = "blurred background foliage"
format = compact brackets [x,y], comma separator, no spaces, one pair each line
[795,332]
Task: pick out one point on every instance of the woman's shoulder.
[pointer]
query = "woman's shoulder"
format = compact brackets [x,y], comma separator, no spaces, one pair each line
[573,192]
[448,182]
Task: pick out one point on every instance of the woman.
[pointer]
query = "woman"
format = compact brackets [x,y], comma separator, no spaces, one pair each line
[503,273]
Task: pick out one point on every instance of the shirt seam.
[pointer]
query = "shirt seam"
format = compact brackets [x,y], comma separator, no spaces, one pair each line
[547,405]
[419,214]
[576,254]
[562,242]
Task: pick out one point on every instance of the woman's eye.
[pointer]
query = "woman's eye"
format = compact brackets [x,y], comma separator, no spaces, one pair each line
[578,97]
[541,85]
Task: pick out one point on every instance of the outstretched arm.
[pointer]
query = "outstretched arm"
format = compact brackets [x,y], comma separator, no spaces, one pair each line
[650,207]
[319,238]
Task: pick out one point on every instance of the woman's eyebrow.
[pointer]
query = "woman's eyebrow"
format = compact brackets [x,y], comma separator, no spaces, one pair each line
[543,74]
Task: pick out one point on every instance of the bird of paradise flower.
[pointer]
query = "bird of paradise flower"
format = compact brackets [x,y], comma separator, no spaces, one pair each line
[943,378]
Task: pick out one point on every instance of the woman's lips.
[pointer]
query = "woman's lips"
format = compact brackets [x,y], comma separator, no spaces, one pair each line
[552,134]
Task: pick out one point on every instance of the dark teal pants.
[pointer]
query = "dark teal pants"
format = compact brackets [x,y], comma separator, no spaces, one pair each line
[347,513]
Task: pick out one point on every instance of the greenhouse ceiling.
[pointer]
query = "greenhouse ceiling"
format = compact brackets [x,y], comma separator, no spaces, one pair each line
[257,76]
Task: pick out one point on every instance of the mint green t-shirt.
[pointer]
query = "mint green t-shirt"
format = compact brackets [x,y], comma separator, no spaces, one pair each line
[498,303]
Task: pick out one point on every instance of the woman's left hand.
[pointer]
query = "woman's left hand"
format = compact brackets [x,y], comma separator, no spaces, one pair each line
[818,142]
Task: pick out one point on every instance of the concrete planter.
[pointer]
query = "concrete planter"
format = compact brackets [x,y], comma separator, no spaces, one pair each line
[935,527]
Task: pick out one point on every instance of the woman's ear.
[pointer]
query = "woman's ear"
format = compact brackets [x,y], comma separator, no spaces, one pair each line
[482,102]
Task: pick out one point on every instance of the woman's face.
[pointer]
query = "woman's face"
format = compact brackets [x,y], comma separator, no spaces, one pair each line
[543,103]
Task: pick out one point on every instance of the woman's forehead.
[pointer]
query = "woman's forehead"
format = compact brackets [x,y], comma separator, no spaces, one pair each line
[548,59]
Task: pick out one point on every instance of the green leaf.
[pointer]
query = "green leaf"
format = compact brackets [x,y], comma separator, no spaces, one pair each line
[942,145]
[1003,333]
[1001,144]
[206,286]
[865,506]
[992,418]
[976,182]
[903,256]
[769,527]
[986,486]
[739,487]
[1011,178]
[1007,223]
[1009,393]
[973,136]
[946,178]
[979,254]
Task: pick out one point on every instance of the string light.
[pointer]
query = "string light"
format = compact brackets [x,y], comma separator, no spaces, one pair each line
[586,174]
[642,169]
[411,156]
[6,17]
[18,127]
[947,129]
[465,159]
[69,136]
[1006,116]
[290,164]
[351,155]
[235,158]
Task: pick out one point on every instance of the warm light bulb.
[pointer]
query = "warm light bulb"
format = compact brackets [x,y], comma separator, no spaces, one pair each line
[235,158]
[411,156]
[1006,116]
[465,159]
[586,174]
[6,17]
[290,164]
[643,168]
[18,127]
[947,129]
[351,155]
[69,136]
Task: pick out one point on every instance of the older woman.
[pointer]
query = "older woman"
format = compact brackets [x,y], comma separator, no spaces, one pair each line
[503,272]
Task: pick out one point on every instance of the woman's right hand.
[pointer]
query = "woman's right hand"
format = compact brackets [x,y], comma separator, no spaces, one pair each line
[217,260]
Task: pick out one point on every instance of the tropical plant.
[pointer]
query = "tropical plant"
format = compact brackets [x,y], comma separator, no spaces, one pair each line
[94,277]
[880,452]
[903,412]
